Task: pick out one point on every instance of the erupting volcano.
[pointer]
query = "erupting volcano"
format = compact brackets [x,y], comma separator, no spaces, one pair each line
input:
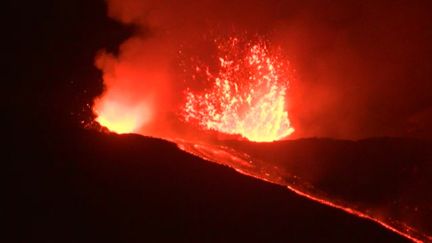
[218,121]
[218,92]
[245,93]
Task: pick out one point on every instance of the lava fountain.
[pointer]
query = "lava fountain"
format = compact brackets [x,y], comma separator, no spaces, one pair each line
[247,93]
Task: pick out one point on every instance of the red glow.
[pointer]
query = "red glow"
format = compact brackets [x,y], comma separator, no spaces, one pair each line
[247,94]
[121,118]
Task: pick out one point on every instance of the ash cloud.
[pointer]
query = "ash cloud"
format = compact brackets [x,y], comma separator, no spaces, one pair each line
[361,68]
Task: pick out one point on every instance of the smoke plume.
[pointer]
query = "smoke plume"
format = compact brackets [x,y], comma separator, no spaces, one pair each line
[360,68]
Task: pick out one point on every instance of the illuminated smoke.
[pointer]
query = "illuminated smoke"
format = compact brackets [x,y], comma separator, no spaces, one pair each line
[137,87]
[343,67]
[246,96]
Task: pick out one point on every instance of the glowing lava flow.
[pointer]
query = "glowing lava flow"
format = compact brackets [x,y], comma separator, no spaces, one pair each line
[247,94]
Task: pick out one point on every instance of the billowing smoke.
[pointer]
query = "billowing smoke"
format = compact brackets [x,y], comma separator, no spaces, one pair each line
[360,68]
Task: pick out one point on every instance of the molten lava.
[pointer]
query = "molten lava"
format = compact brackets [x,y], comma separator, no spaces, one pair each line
[247,94]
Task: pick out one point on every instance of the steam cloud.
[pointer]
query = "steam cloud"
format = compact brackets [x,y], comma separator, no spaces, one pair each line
[362,68]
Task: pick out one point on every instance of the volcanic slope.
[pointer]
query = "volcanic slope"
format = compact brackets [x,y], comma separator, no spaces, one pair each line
[95,187]
[385,179]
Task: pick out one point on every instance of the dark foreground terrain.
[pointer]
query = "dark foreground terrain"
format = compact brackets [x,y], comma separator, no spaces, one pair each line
[385,179]
[85,186]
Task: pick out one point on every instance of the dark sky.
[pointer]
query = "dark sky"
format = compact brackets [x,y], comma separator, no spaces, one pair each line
[49,57]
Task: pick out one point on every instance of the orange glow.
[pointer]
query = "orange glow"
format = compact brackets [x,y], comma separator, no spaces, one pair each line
[121,118]
[246,164]
[247,94]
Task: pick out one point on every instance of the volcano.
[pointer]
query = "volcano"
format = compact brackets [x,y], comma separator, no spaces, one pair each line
[106,187]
